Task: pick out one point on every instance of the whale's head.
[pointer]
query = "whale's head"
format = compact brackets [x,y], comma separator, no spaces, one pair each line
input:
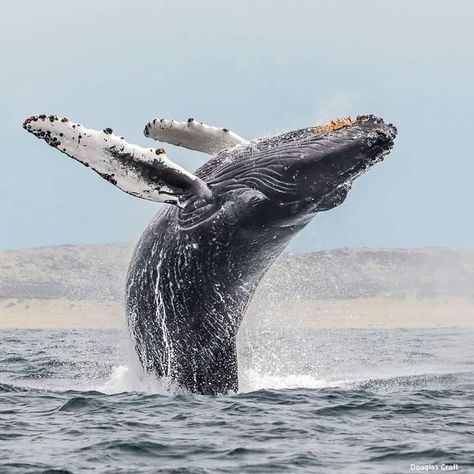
[323,164]
[290,177]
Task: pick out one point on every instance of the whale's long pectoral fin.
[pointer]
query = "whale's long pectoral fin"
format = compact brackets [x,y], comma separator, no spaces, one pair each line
[193,135]
[143,172]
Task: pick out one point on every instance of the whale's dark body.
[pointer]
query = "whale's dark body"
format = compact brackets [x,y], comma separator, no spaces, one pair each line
[196,268]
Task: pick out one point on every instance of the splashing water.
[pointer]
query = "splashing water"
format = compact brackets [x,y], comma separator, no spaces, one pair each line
[104,361]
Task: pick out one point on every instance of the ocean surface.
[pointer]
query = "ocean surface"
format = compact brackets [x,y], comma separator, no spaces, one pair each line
[347,400]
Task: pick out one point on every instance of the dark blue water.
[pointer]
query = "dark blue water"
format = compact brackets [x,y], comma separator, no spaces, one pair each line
[311,401]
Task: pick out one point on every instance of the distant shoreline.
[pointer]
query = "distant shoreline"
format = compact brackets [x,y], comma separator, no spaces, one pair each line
[82,286]
[316,314]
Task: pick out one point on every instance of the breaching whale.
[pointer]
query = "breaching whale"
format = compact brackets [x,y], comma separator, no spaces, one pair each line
[198,264]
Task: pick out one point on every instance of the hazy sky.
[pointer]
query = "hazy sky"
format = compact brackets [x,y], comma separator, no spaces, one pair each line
[257,67]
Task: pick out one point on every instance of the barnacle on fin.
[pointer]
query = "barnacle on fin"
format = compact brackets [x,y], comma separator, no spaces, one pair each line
[335,125]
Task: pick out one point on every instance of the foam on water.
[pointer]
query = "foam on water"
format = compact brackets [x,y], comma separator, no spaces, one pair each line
[321,359]
[132,379]
[252,380]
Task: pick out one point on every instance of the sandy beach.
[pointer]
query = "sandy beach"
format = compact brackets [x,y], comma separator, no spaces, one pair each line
[59,314]
[355,313]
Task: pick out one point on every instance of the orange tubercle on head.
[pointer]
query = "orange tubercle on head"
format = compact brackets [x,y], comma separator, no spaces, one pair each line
[335,125]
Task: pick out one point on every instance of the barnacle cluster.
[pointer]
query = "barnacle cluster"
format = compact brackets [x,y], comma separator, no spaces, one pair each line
[335,125]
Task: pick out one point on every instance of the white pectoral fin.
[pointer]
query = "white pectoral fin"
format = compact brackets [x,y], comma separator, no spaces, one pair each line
[143,172]
[193,135]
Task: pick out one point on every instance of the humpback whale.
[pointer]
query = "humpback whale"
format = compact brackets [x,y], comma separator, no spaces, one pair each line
[198,264]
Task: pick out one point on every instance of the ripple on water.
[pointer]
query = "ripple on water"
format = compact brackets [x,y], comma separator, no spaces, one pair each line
[363,401]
